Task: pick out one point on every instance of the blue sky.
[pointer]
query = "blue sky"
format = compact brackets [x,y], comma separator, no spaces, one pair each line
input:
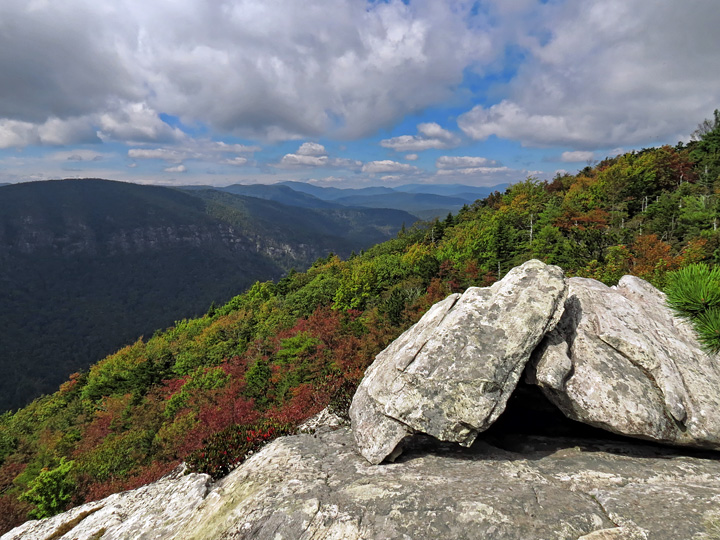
[347,93]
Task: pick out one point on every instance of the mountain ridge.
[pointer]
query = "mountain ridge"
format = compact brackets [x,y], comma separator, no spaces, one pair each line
[136,258]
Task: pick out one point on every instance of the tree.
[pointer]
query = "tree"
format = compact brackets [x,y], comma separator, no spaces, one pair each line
[51,490]
[706,150]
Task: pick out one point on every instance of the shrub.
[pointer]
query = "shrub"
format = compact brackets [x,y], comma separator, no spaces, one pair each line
[225,450]
[693,292]
[50,491]
[707,326]
[694,289]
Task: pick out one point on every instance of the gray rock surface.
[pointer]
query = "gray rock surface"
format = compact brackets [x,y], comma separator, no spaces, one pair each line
[153,511]
[503,487]
[451,374]
[621,361]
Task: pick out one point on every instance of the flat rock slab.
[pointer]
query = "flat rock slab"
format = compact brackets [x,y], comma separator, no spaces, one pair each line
[621,361]
[451,374]
[317,487]
[157,510]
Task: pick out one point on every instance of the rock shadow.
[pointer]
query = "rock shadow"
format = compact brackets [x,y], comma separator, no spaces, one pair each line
[531,428]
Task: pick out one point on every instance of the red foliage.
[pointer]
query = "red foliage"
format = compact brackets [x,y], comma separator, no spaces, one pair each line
[651,254]
[305,402]
[12,512]
[230,408]
[71,384]
[594,219]
[8,473]
[107,419]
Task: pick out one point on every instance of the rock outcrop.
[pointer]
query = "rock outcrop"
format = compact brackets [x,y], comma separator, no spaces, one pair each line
[621,361]
[451,374]
[613,358]
[313,487]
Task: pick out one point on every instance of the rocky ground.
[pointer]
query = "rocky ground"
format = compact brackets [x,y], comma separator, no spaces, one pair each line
[507,485]
[522,375]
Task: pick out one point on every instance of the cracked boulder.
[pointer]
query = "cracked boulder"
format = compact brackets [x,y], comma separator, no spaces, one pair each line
[452,373]
[620,360]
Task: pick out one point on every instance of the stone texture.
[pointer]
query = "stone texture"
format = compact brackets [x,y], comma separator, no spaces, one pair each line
[451,374]
[621,361]
[503,487]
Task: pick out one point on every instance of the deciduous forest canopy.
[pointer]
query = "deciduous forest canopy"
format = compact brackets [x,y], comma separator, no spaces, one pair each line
[283,350]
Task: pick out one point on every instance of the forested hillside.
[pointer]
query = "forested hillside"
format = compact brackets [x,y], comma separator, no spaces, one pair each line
[207,390]
[89,265]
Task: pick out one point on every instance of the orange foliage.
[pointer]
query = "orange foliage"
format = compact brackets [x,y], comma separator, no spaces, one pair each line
[650,254]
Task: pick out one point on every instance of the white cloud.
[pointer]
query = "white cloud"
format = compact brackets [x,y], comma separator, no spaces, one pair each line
[465,162]
[292,161]
[387,166]
[14,133]
[277,69]
[280,68]
[577,156]
[166,154]
[237,161]
[233,148]
[431,135]
[176,169]
[431,130]
[608,72]
[476,170]
[311,149]
[53,132]
[411,157]
[136,123]
[314,155]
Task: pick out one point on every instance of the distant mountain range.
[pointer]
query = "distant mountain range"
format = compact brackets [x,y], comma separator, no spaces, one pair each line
[87,266]
[423,200]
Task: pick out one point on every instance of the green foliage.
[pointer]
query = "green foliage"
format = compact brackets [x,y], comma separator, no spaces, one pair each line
[284,351]
[257,380]
[707,326]
[51,491]
[225,450]
[116,456]
[201,380]
[694,290]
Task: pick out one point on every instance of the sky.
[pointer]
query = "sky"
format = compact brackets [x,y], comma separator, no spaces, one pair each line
[347,93]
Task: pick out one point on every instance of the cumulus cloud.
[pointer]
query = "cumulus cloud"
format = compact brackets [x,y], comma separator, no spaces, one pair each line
[311,149]
[273,68]
[387,166]
[314,155]
[464,162]
[431,135]
[411,157]
[292,161]
[166,154]
[237,161]
[577,156]
[608,72]
[234,148]
[490,171]
[199,150]
[52,132]
[136,123]
[176,169]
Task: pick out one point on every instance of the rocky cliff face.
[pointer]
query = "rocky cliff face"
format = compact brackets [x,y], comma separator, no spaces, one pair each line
[613,358]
